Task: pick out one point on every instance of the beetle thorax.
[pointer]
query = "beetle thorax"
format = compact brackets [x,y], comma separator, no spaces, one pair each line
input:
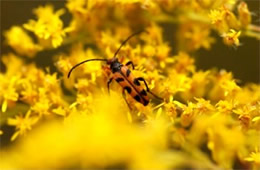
[115,66]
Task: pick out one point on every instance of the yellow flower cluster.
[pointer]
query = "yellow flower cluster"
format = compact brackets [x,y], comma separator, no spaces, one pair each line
[206,120]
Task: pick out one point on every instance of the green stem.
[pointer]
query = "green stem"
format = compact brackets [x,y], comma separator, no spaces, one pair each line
[254,28]
[164,18]
[170,18]
[252,34]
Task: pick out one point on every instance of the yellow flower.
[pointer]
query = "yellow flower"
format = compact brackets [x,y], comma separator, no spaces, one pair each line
[154,35]
[149,50]
[184,63]
[176,82]
[255,158]
[52,83]
[13,65]
[22,124]
[248,114]
[60,111]
[106,134]
[162,54]
[230,87]
[223,19]
[193,36]
[10,94]
[171,110]
[77,54]
[203,106]
[49,27]
[82,85]
[248,94]
[64,65]
[224,143]
[188,113]
[231,38]
[83,101]
[223,136]
[29,92]
[199,82]
[244,14]
[128,1]
[224,106]
[216,16]
[230,18]
[21,42]
[245,120]
[43,104]
[221,81]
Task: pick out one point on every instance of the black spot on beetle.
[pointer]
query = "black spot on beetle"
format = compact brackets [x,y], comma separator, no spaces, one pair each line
[136,82]
[137,98]
[145,102]
[128,89]
[143,93]
[119,79]
[128,72]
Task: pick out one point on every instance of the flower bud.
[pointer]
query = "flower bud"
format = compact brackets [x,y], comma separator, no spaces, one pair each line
[244,14]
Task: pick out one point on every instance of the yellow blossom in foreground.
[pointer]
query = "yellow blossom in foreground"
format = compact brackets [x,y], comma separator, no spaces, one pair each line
[22,124]
[224,138]
[254,156]
[230,140]
[107,136]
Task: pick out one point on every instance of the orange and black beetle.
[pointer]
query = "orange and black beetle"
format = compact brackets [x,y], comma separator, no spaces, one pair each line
[123,76]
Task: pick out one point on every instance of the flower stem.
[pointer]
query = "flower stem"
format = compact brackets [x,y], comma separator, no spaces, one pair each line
[252,34]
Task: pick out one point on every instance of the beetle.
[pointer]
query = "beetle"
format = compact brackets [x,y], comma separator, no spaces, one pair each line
[123,76]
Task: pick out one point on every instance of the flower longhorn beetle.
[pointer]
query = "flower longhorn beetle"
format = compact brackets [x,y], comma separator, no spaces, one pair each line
[123,76]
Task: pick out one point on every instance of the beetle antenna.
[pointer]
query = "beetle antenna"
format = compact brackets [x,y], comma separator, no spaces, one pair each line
[123,43]
[75,66]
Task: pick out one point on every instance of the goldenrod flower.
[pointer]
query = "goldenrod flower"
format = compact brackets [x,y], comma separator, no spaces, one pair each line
[244,14]
[224,143]
[216,16]
[255,158]
[184,63]
[21,42]
[231,38]
[224,106]
[10,94]
[22,124]
[49,27]
[175,83]
[196,36]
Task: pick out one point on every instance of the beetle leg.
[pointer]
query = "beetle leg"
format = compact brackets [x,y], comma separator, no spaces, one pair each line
[147,88]
[130,63]
[108,84]
[124,96]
